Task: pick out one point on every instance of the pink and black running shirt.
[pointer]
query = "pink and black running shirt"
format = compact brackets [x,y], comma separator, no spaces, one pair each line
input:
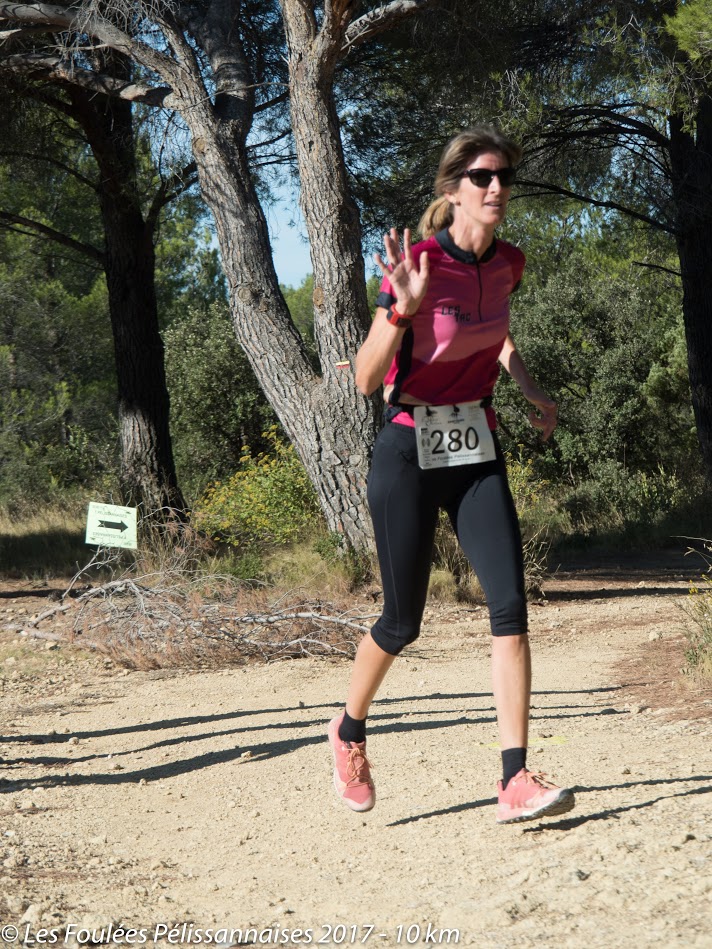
[449,353]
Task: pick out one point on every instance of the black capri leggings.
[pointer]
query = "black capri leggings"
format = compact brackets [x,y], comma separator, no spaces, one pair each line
[404,502]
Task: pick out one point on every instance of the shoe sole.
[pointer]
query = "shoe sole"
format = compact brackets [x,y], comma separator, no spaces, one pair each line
[564,803]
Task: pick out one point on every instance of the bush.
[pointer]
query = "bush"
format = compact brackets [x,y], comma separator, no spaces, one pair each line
[217,406]
[698,610]
[269,501]
[607,342]
[619,500]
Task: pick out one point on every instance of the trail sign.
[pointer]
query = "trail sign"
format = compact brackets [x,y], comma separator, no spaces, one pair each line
[110,525]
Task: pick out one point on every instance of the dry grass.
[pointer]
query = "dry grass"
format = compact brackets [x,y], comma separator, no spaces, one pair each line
[698,614]
[47,543]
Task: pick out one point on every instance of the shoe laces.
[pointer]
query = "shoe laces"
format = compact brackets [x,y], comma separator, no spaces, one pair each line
[539,778]
[358,768]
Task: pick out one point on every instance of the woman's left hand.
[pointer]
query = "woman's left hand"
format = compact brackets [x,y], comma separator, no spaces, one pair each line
[546,421]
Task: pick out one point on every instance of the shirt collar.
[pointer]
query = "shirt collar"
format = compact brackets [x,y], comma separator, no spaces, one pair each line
[464,256]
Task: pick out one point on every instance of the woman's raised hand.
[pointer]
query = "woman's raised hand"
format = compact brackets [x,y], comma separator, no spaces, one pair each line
[408,279]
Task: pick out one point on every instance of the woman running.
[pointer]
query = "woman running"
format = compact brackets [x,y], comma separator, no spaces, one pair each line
[440,331]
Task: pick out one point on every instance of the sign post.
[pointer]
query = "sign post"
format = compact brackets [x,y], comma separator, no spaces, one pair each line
[110,525]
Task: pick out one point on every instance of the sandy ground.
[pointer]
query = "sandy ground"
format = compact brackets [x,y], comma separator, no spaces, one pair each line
[204,800]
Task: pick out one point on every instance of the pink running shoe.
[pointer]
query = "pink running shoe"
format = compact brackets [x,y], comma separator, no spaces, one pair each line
[529,795]
[352,772]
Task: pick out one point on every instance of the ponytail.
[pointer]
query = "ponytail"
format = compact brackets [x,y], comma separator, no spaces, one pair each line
[437,215]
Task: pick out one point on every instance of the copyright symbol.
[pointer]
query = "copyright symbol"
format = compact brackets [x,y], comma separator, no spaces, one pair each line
[9,933]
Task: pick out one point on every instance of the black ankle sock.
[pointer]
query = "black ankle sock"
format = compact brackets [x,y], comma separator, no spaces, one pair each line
[352,729]
[513,760]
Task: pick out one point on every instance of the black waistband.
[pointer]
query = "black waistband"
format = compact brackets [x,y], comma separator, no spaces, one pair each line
[390,411]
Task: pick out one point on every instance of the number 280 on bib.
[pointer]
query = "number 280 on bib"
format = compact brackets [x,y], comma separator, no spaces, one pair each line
[449,435]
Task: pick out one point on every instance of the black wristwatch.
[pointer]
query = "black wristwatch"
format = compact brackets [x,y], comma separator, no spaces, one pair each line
[398,319]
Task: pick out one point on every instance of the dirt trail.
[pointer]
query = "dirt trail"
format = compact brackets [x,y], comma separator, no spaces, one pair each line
[205,799]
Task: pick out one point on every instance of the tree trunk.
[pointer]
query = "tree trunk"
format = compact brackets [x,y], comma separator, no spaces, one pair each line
[147,475]
[691,161]
[332,439]
[341,318]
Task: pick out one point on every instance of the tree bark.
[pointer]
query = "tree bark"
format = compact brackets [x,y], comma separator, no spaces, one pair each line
[315,412]
[147,474]
[691,163]
[348,421]
[330,425]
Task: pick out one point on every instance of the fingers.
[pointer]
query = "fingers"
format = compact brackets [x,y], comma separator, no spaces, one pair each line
[385,269]
[546,423]
[407,252]
[424,263]
[391,242]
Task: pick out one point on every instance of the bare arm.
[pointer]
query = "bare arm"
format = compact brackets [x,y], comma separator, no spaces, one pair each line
[409,282]
[514,364]
[376,355]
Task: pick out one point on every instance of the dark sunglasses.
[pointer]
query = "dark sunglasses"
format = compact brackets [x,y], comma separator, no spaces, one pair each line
[482,177]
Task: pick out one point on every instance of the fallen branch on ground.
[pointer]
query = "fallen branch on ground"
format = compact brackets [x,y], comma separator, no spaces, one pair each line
[165,618]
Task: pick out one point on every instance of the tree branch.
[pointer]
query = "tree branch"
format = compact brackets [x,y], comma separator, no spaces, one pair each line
[54,18]
[53,67]
[640,263]
[178,182]
[546,188]
[49,233]
[620,121]
[380,19]
[276,101]
[9,35]
[31,156]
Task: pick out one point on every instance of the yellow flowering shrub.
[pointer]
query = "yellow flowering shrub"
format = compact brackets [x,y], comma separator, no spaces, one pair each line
[269,501]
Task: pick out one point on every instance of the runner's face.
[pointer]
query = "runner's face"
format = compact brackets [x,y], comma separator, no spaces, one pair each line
[483,207]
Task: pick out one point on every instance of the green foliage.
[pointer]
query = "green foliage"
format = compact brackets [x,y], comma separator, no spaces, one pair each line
[269,501]
[691,26]
[57,386]
[614,499]
[217,406]
[188,268]
[606,341]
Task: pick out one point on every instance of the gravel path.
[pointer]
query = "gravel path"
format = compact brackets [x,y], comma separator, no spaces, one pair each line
[204,800]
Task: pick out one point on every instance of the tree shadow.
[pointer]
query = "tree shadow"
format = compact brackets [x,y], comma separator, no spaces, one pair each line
[186,721]
[613,813]
[570,823]
[615,593]
[382,721]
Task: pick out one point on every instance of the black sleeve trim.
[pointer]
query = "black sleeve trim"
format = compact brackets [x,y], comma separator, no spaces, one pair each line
[386,300]
[404,363]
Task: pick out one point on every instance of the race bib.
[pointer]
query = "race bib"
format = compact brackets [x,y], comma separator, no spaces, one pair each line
[449,435]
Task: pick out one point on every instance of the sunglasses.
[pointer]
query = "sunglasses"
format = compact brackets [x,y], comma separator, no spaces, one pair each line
[482,177]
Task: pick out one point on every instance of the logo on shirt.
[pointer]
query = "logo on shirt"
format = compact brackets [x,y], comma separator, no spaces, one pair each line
[457,314]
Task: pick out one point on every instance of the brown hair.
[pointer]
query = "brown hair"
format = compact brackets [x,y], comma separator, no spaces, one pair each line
[457,153]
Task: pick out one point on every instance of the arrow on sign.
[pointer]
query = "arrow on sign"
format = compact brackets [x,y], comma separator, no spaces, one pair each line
[114,525]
